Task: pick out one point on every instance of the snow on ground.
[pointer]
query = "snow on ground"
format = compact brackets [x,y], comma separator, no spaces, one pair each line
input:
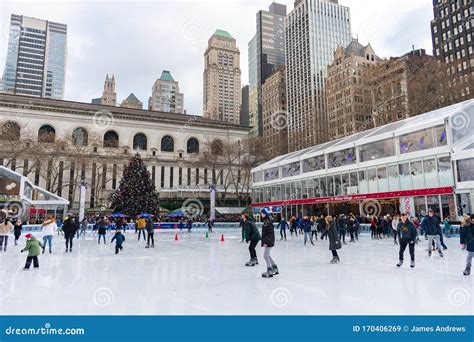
[205,277]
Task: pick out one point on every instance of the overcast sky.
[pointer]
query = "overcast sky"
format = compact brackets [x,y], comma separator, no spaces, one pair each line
[137,40]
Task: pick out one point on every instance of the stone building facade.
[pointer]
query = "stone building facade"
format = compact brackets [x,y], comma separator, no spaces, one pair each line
[221,78]
[58,143]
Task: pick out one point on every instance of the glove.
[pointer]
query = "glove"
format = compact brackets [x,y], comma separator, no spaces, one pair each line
[412,242]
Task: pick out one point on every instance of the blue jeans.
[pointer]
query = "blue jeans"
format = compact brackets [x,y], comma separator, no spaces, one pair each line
[103,235]
[47,239]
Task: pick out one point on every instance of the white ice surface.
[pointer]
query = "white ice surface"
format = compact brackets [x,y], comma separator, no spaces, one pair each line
[199,276]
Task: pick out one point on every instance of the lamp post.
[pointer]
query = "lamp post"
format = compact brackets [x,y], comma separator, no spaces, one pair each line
[212,213]
[82,198]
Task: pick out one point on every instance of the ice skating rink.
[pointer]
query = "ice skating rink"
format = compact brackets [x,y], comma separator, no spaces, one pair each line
[208,277]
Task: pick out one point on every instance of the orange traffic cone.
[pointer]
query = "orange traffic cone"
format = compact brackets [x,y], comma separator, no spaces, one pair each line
[222,237]
[176,237]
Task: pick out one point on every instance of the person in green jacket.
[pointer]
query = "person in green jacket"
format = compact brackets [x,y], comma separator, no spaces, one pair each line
[33,247]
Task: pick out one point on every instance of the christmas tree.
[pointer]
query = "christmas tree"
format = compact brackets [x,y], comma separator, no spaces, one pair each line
[136,193]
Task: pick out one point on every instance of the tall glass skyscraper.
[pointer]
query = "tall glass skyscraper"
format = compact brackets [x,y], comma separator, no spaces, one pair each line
[36,58]
[313,30]
[266,53]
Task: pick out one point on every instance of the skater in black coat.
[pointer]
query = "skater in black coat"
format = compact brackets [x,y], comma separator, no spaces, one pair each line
[69,228]
[334,241]
[252,235]
[467,242]
[268,241]
[406,236]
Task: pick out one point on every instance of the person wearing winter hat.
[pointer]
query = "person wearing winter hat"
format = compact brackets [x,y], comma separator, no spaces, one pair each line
[467,242]
[33,247]
[268,241]
[252,235]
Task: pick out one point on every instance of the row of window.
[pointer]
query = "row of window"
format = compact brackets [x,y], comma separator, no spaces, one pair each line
[416,174]
[80,137]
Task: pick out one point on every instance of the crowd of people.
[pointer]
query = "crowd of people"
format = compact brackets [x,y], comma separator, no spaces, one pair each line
[404,230]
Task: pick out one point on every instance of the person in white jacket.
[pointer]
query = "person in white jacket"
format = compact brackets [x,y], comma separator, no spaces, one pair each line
[395,221]
[49,228]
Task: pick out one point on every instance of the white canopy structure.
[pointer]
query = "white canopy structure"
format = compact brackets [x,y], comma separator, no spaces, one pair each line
[430,151]
[19,196]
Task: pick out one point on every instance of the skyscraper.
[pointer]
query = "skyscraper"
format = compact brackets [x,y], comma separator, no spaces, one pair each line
[221,78]
[266,53]
[313,30]
[244,106]
[165,96]
[453,43]
[36,58]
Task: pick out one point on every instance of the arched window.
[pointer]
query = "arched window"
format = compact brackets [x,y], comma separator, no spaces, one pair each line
[192,145]
[80,137]
[46,134]
[10,131]
[111,139]
[217,147]
[167,144]
[139,142]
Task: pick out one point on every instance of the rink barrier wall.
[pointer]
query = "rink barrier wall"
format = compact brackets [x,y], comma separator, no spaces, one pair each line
[364,228]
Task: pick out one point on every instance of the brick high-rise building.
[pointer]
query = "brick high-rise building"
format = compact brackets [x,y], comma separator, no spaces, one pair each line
[165,95]
[275,115]
[406,86]
[348,90]
[221,78]
[313,30]
[453,43]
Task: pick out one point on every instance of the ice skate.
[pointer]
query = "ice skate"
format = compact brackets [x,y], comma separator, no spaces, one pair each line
[268,273]
[429,253]
[440,254]
[467,271]
[252,262]
[147,246]
[412,264]
[70,249]
[275,270]
[66,250]
[333,261]
[400,263]
[43,251]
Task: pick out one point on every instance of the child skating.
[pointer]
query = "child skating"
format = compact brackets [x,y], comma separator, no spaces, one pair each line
[33,247]
[119,239]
